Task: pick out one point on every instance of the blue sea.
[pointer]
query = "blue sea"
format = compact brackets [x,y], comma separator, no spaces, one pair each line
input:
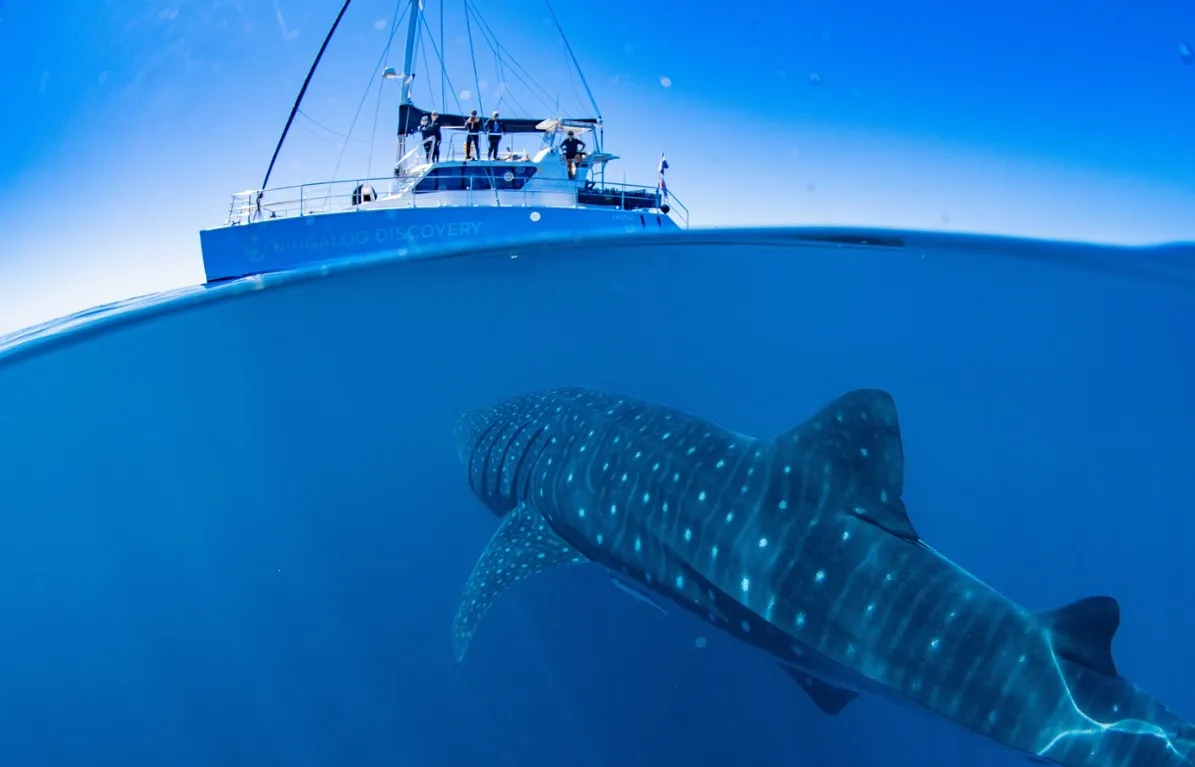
[235,527]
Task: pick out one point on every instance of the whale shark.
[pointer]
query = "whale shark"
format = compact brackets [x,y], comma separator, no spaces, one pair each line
[801,547]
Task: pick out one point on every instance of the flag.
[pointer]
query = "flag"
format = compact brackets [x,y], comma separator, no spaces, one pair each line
[663,167]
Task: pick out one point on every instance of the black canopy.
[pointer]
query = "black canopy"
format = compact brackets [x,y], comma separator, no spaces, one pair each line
[409,116]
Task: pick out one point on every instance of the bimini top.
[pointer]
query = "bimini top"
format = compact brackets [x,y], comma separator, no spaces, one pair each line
[409,116]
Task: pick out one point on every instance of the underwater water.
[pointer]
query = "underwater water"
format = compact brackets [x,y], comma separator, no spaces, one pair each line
[236,528]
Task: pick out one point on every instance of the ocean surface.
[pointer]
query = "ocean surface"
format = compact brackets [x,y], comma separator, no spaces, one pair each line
[235,528]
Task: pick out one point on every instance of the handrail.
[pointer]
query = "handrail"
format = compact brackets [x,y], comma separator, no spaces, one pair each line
[319,197]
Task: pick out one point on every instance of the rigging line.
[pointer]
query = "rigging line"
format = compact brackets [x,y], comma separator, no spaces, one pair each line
[547,102]
[498,72]
[492,38]
[569,48]
[319,124]
[373,134]
[431,91]
[473,58]
[365,95]
[507,55]
[303,90]
[503,86]
[572,81]
[443,68]
[312,132]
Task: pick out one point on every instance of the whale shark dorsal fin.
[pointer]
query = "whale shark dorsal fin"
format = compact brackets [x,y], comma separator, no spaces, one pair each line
[1082,632]
[830,699]
[523,545]
[854,442]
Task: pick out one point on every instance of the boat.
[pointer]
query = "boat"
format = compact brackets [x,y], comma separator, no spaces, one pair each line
[438,198]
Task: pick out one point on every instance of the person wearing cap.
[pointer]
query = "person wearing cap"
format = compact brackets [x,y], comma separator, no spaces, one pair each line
[493,130]
[473,132]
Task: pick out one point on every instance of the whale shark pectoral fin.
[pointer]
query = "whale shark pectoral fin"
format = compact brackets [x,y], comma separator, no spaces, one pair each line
[523,545]
[855,442]
[830,699]
[1082,632]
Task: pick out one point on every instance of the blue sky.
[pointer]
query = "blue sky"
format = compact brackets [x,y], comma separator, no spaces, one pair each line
[129,125]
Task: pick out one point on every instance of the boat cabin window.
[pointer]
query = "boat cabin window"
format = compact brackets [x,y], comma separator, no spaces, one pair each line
[460,178]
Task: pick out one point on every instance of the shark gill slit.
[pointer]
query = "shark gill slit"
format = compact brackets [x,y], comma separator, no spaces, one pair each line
[526,482]
[507,446]
[481,477]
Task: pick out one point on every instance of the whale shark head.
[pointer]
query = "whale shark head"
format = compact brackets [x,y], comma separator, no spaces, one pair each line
[499,445]
[468,430]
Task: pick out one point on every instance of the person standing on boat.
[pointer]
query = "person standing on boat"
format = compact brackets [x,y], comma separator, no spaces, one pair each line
[493,130]
[472,136]
[574,150]
[425,133]
[430,129]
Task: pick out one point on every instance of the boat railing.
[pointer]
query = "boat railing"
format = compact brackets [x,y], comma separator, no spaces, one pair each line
[312,198]
[401,193]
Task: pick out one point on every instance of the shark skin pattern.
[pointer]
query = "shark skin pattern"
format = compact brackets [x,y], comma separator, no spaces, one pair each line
[801,547]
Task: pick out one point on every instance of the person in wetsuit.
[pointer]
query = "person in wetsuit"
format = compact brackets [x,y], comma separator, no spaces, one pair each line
[493,130]
[473,131]
[574,149]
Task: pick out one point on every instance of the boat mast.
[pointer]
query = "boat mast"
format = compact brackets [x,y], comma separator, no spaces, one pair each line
[295,109]
[408,75]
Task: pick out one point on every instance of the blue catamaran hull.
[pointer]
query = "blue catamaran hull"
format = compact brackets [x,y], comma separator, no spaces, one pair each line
[286,243]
